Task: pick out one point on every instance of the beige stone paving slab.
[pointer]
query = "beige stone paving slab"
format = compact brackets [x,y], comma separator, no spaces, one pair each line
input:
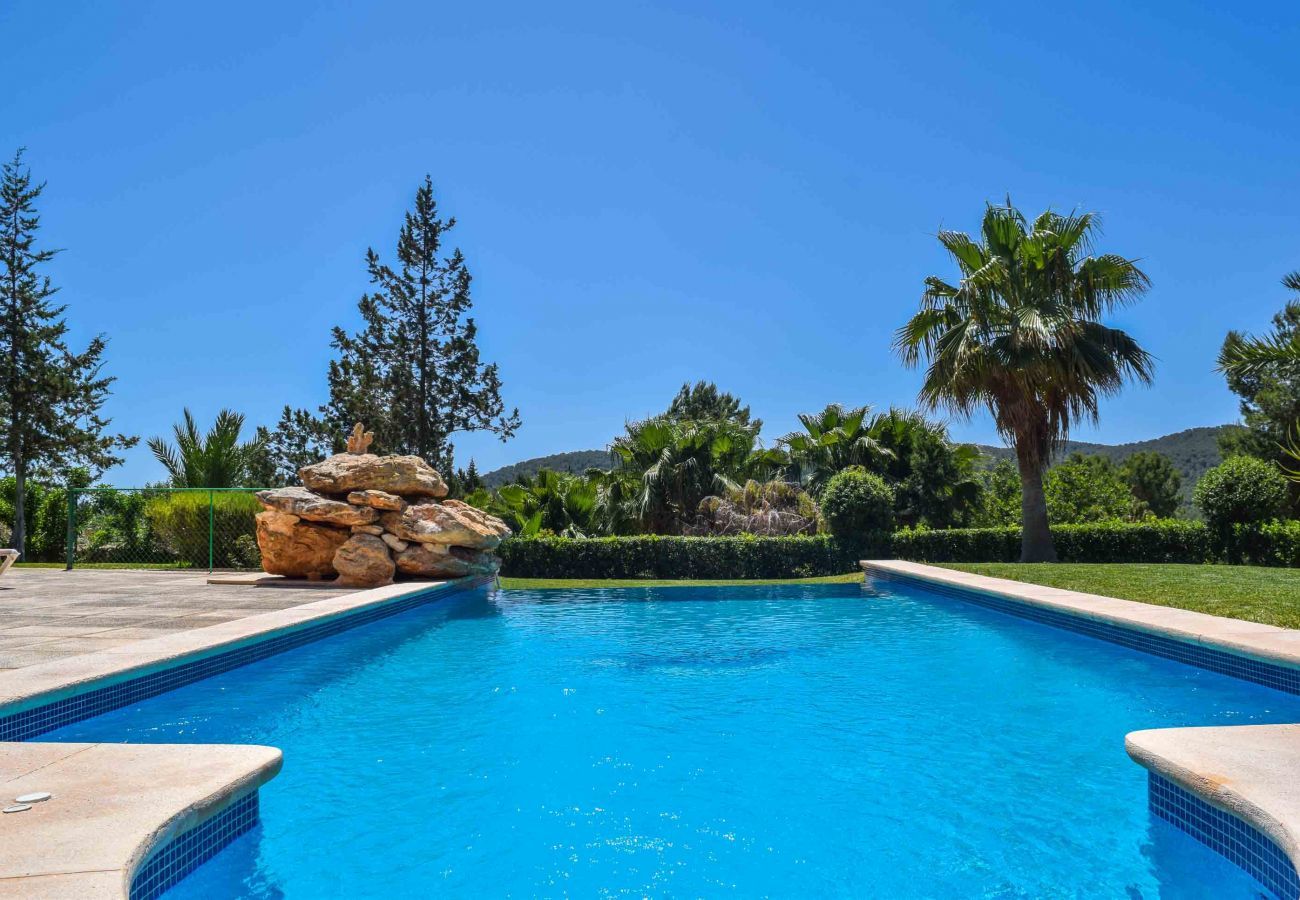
[110,620]
[77,886]
[37,605]
[141,631]
[90,643]
[197,621]
[16,660]
[112,803]
[22,641]
[52,630]
[27,619]
[32,758]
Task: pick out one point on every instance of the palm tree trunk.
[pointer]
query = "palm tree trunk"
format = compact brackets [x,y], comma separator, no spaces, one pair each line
[1035,534]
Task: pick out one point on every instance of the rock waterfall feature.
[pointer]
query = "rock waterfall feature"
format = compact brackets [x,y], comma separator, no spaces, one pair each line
[369,519]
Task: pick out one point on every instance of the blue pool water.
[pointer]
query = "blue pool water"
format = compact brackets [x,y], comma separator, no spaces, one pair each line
[809,741]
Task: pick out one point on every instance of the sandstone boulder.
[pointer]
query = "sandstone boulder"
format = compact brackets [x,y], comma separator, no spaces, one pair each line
[363,561]
[295,548]
[304,504]
[442,561]
[451,523]
[376,499]
[346,472]
[394,542]
[376,530]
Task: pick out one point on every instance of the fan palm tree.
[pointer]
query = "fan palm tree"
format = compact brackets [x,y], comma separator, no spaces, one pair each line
[682,462]
[213,460]
[831,441]
[556,501]
[935,480]
[1020,335]
[1249,356]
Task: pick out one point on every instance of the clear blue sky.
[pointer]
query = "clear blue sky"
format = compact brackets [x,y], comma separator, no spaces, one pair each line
[647,193]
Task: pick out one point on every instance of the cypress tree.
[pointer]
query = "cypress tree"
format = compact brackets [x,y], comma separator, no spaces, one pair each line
[50,396]
[472,480]
[413,372]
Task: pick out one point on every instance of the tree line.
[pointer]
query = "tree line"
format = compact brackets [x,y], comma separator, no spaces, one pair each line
[1019,333]
[699,468]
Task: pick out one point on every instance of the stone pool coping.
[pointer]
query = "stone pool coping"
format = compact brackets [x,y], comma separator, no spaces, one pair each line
[115,804]
[112,804]
[1247,771]
[1268,643]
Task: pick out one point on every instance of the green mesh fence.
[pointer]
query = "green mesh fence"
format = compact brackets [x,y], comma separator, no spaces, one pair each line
[172,528]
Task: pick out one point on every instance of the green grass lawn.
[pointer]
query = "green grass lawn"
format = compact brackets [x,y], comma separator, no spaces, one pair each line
[1271,596]
[555,584]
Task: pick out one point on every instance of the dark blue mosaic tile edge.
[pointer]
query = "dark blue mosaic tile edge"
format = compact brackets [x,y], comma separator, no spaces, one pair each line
[30,723]
[1279,677]
[1227,835]
[174,860]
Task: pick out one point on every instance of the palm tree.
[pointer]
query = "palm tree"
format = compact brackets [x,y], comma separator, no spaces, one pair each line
[556,501]
[682,462]
[1020,335]
[935,480]
[831,441]
[1250,356]
[213,460]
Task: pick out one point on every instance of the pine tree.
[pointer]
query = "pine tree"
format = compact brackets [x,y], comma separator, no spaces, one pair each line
[299,439]
[413,374]
[50,397]
[703,401]
[472,481]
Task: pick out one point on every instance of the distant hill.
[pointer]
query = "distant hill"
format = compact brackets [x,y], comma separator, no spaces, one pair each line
[1192,452]
[576,461]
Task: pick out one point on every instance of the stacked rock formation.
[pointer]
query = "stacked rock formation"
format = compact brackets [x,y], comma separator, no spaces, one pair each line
[370,519]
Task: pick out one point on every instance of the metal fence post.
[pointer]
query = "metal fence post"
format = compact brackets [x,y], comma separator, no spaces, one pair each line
[212,528]
[72,527]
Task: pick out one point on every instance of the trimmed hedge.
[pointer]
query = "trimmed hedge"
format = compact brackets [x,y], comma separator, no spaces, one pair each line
[1270,544]
[654,556]
[1162,541]
[802,556]
[180,521]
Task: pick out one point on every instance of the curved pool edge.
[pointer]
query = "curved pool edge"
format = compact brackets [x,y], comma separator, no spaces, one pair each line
[1244,773]
[116,808]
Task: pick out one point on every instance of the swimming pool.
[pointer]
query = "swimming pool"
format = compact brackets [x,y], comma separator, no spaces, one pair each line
[813,741]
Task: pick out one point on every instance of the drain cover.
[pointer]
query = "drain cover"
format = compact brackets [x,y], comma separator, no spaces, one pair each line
[22,807]
[37,797]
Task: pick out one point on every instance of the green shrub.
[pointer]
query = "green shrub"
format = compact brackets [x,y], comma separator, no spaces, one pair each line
[1085,489]
[1269,544]
[46,515]
[1240,490]
[1151,541]
[180,522]
[857,502]
[650,556]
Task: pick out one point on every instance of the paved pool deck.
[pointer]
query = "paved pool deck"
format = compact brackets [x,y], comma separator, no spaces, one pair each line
[52,614]
[113,805]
